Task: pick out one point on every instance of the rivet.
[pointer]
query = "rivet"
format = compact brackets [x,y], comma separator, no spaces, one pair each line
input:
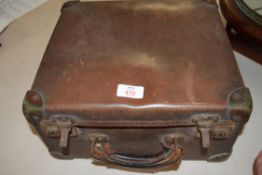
[237,118]
[34,98]
[36,117]
[236,96]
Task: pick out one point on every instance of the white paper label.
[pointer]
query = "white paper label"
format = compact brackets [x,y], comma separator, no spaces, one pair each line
[129,91]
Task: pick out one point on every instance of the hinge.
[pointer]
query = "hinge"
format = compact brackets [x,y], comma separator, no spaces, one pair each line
[204,126]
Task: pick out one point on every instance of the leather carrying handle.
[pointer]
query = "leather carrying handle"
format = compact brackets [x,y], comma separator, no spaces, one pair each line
[101,150]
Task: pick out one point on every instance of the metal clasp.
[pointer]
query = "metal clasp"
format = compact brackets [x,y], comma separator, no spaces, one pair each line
[204,125]
[65,126]
[60,128]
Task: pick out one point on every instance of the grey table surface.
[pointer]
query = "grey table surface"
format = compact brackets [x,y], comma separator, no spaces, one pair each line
[22,152]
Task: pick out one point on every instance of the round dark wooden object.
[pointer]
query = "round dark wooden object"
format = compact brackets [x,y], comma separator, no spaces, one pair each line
[244,28]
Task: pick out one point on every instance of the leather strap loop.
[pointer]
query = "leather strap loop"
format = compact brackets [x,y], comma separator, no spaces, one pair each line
[101,150]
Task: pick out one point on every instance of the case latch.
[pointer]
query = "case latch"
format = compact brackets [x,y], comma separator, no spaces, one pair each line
[65,128]
[204,125]
[61,128]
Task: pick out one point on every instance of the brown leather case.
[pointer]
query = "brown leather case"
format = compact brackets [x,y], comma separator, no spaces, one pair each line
[139,84]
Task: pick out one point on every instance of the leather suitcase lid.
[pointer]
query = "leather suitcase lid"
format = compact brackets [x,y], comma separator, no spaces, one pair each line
[176,50]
